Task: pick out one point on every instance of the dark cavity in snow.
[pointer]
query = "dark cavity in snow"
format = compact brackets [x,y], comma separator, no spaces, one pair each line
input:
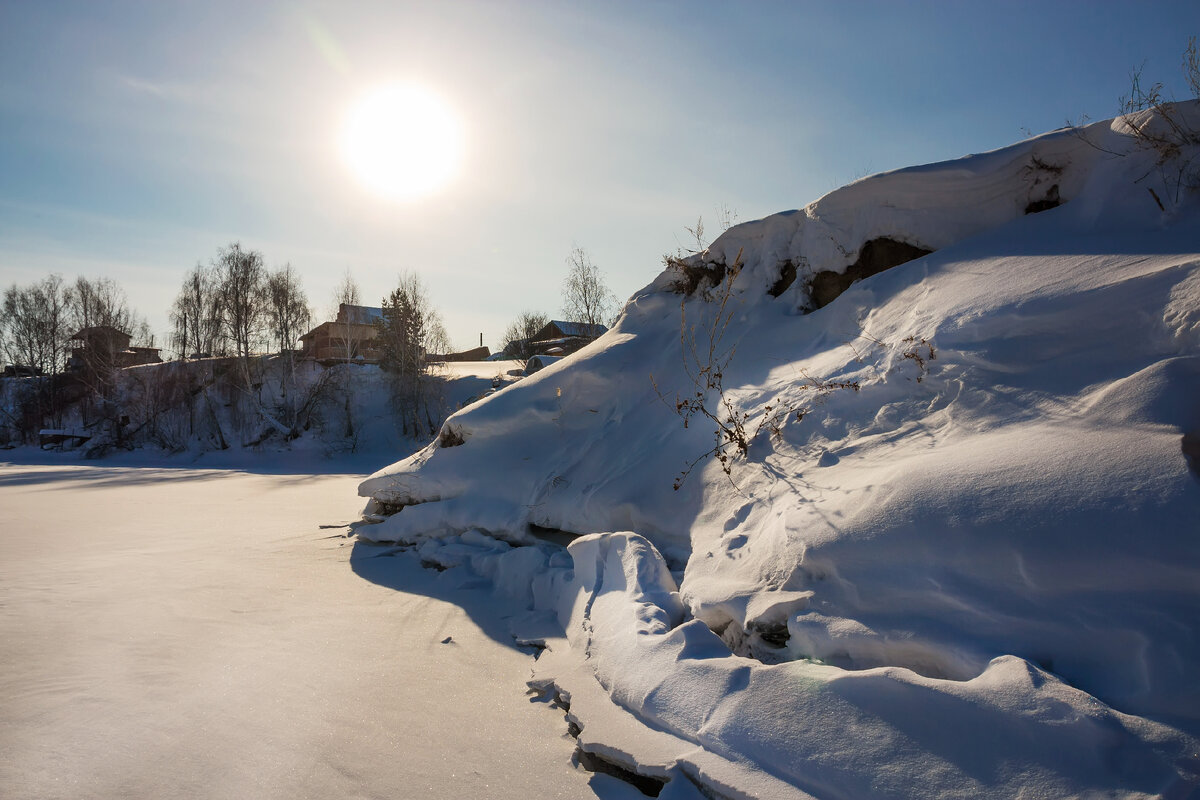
[534,648]
[552,535]
[787,276]
[1051,200]
[875,256]
[547,691]
[651,787]
[1043,172]
[763,642]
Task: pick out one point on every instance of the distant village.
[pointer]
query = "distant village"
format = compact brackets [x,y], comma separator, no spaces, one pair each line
[353,336]
[248,362]
[237,307]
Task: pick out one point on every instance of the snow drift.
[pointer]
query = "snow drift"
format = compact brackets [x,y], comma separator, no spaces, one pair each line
[967,558]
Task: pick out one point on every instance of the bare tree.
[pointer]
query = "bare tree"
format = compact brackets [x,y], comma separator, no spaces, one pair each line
[53,301]
[346,293]
[140,332]
[5,358]
[196,314]
[34,327]
[20,335]
[35,324]
[100,302]
[586,297]
[288,314]
[437,340]
[1191,67]
[19,327]
[241,278]
[519,334]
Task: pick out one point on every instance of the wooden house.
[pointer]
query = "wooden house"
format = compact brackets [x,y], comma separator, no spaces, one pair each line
[103,347]
[557,338]
[350,337]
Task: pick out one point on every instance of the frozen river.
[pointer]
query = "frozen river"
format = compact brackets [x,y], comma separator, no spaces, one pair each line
[195,633]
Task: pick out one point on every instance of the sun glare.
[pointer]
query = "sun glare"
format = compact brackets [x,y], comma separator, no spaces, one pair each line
[402,141]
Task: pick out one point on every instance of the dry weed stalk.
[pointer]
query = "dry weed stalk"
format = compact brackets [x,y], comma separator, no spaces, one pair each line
[705,364]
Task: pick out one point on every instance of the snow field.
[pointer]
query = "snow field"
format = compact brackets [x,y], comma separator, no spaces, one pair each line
[196,633]
[977,574]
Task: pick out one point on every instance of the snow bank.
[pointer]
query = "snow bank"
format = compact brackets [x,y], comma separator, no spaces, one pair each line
[837,733]
[975,572]
[198,406]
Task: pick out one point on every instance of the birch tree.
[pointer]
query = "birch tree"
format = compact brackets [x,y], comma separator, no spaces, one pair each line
[586,297]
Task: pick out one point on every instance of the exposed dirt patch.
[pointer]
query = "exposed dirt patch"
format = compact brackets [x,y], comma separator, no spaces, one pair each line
[875,256]
[696,276]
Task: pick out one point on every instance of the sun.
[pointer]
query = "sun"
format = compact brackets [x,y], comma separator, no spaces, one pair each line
[402,141]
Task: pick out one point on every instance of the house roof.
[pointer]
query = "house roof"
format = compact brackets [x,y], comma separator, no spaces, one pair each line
[359,316]
[356,330]
[108,330]
[362,315]
[572,329]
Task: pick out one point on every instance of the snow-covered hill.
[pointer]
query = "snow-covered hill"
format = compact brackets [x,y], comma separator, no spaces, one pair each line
[961,556]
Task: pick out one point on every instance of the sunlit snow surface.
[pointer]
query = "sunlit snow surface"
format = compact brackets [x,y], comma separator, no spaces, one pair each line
[976,575]
[175,632]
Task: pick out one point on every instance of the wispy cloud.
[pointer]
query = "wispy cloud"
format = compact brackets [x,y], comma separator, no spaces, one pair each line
[161,89]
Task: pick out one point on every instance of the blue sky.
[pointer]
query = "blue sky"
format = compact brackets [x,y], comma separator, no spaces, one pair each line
[137,137]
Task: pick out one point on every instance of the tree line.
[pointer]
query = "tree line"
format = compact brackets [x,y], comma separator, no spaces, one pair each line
[233,306]
[236,306]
